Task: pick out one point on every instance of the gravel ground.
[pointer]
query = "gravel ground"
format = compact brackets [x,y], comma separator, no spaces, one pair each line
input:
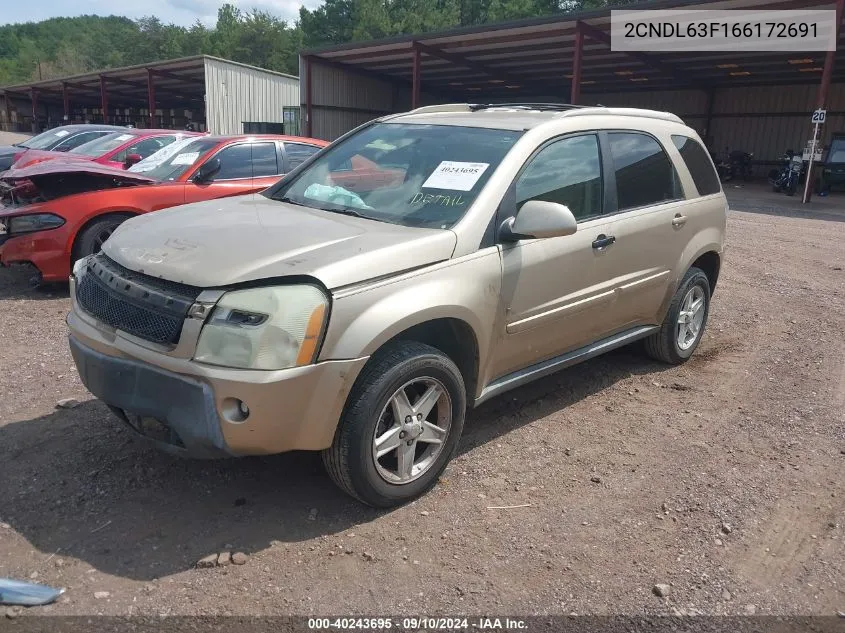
[723,479]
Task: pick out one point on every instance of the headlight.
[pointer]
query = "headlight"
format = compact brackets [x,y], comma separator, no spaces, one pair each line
[264,328]
[18,224]
[80,266]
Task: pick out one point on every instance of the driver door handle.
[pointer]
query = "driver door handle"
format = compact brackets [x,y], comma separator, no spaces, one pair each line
[679,220]
[603,241]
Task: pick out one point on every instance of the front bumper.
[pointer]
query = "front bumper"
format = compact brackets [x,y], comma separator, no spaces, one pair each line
[289,409]
[46,250]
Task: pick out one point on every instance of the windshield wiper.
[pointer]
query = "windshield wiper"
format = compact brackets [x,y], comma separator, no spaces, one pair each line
[341,211]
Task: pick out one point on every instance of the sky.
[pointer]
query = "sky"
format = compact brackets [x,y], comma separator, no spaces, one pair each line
[182,12]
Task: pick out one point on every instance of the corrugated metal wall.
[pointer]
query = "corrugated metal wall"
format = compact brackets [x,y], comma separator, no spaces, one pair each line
[236,94]
[763,120]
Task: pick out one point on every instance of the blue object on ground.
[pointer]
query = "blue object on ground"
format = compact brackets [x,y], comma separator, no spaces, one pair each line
[26,594]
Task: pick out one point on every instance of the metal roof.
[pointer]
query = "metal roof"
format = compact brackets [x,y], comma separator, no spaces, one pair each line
[178,83]
[536,56]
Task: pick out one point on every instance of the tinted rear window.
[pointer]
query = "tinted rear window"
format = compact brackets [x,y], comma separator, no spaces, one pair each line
[699,164]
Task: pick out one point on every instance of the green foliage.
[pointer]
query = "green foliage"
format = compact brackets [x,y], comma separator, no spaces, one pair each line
[66,46]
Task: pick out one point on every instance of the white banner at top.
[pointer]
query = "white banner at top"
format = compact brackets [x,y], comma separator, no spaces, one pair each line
[680,30]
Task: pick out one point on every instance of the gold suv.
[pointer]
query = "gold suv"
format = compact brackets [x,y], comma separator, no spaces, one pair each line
[419,265]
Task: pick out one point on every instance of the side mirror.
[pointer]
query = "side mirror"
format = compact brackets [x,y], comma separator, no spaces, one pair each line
[539,219]
[207,171]
[132,159]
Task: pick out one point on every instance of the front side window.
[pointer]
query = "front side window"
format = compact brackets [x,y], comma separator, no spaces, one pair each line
[414,175]
[699,164]
[837,151]
[644,173]
[567,171]
[235,162]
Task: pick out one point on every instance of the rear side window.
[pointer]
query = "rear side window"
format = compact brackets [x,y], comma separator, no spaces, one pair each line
[699,164]
[644,173]
[264,161]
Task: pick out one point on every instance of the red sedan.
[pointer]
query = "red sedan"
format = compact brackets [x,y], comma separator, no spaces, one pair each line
[60,211]
[118,149]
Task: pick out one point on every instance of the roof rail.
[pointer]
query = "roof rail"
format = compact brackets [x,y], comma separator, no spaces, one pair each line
[634,112]
[443,107]
[525,106]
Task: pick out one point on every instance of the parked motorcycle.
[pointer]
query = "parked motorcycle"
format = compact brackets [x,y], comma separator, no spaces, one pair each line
[740,163]
[789,176]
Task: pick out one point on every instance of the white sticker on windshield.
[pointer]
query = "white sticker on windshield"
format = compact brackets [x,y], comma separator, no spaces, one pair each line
[123,137]
[62,133]
[455,175]
[187,158]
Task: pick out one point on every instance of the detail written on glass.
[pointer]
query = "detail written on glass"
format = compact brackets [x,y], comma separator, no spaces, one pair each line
[429,198]
[455,176]
[678,30]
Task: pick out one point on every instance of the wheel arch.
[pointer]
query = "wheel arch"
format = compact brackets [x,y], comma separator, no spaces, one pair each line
[93,219]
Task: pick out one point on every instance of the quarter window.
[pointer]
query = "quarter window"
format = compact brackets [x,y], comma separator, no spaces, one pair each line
[567,171]
[699,164]
[644,173]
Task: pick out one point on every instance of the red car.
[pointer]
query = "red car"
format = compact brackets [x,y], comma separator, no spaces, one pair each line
[59,211]
[118,149]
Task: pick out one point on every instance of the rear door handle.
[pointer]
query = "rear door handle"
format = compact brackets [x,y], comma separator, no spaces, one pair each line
[679,220]
[603,241]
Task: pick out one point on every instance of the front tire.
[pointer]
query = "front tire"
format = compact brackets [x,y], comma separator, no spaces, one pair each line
[682,329]
[90,240]
[400,427]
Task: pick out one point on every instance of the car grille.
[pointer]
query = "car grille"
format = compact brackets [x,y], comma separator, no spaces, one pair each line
[150,308]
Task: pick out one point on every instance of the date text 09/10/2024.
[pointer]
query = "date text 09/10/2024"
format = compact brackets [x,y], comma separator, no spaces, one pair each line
[417,624]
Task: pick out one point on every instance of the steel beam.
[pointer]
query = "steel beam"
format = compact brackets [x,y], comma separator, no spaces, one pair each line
[151,97]
[415,87]
[575,93]
[309,119]
[104,99]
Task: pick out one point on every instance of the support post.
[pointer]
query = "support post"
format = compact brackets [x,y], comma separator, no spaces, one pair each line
[821,101]
[708,122]
[8,106]
[415,87]
[33,97]
[309,122]
[151,97]
[104,99]
[830,56]
[575,94]
[66,102]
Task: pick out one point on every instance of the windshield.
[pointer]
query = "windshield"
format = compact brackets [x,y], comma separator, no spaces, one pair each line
[183,160]
[45,140]
[103,145]
[415,175]
[154,160]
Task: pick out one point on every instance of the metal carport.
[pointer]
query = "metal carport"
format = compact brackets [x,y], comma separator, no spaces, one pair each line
[759,102]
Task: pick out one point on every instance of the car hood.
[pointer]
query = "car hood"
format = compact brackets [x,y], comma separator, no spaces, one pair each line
[247,238]
[59,178]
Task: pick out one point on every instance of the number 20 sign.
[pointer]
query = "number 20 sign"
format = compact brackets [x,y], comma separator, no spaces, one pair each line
[819,116]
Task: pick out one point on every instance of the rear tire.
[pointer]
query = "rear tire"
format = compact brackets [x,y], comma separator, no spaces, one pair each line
[669,344]
[90,239]
[375,413]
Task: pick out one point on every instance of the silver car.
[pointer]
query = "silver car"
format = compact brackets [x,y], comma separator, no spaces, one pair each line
[416,267]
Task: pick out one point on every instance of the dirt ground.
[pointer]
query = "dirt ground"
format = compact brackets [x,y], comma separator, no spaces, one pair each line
[723,478]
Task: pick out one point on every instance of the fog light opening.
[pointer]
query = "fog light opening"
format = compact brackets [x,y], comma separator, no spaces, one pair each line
[235,411]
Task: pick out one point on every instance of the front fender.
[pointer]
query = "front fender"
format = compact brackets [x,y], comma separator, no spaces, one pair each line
[466,288]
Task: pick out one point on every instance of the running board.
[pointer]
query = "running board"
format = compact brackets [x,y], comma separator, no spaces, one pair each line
[533,372]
